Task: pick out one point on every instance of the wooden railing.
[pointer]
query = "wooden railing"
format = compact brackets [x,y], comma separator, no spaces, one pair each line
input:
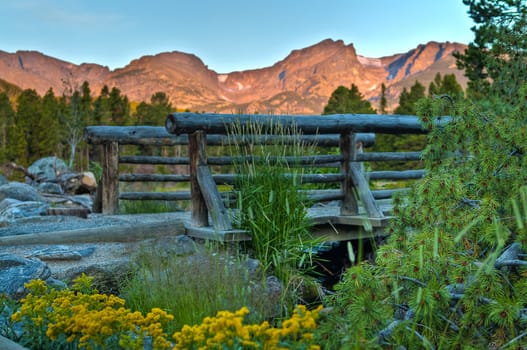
[348,134]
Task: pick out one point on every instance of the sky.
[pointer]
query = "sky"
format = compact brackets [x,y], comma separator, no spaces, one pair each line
[228,35]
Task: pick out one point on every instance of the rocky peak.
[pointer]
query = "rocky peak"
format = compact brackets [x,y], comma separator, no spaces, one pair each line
[301,83]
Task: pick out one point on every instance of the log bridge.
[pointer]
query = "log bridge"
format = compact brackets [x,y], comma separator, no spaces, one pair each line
[360,213]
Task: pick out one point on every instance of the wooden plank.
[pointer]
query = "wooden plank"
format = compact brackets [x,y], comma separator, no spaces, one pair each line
[217,211]
[115,233]
[210,233]
[396,175]
[387,156]
[162,196]
[364,192]
[154,160]
[337,232]
[290,160]
[110,178]
[198,156]
[154,178]
[184,123]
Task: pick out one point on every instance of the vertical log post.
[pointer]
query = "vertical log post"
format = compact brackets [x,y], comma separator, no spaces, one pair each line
[198,156]
[360,183]
[96,151]
[349,204]
[110,178]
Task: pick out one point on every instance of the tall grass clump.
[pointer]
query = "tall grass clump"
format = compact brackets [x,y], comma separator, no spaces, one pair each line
[270,204]
[192,287]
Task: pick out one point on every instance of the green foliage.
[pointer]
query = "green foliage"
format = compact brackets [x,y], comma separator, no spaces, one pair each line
[408,99]
[383,102]
[447,85]
[495,61]
[439,278]
[12,91]
[402,143]
[155,112]
[270,205]
[7,126]
[344,100]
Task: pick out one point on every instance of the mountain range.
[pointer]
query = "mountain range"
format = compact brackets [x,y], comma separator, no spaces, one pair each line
[301,83]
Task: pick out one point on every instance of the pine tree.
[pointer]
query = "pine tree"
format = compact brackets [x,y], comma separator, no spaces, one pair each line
[7,119]
[29,111]
[446,85]
[48,130]
[408,99]
[344,100]
[495,62]
[383,102]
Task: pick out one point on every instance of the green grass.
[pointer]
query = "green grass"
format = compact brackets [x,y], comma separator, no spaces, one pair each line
[198,285]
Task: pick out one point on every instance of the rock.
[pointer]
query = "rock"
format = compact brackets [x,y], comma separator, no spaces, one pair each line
[59,252]
[13,209]
[107,276]
[78,183]
[50,187]
[84,200]
[20,191]
[178,245]
[16,271]
[48,169]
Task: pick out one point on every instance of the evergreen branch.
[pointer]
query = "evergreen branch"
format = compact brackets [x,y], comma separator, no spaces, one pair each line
[512,341]
[451,324]
[474,203]
[511,262]
[414,280]
[386,333]
[421,337]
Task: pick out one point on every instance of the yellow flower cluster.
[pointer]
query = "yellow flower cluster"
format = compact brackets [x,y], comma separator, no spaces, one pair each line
[85,319]
[92,320]
[227,331]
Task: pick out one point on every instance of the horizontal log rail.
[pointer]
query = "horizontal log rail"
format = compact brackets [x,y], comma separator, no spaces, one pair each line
[158,136]
[187,123]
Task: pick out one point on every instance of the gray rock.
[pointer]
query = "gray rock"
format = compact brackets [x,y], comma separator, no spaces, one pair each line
[50,187]
[59,252]
[84,200]
[16,271]
[46,169]
[14,210]
[107,276]
[178,245]
[20,191]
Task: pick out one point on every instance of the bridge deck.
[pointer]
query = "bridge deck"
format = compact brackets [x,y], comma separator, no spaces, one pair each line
[327,223]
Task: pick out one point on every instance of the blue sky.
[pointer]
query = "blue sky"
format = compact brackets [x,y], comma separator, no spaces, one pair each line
[228,35]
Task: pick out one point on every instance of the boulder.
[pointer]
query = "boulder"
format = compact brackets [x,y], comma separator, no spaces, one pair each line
[47,169]
[61,252]
[20,191]
[12,209]
[15,271]
[78,183]
[50,187]
[107,276]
